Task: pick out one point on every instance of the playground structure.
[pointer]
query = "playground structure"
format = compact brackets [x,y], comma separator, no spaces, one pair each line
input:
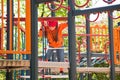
[27,27]
[102,39]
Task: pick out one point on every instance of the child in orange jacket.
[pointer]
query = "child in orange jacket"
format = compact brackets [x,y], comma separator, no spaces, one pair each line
[53,32]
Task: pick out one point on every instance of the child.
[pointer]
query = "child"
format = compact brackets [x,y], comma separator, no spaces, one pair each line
[53,32]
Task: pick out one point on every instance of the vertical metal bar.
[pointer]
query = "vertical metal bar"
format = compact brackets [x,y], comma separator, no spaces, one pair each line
[8,26]
[34,42]
[28,26]
[43,42]
[2,30]
[18,26]
[111,49]
[15,48]
[27,35]
[9,75]
[88,42]
[88,45]
[11,25]
[53,15]
[23,47]
[72,41]
[9,34]
[43,47]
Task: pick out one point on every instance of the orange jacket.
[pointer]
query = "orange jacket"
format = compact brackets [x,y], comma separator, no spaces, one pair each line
[51,34]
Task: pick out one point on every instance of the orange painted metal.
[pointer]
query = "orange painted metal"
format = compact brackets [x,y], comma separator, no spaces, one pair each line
[18,25]
[11,34]
[20,28]
[116,39]
[98,41]
[14,52]
[28,25]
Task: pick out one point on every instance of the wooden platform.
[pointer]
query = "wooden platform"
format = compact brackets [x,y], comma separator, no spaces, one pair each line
[44,64]
[88,70]
[47,76]
[96,69]
[14,64]
[25,64]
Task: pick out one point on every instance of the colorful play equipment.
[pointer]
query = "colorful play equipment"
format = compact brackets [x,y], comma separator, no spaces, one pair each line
[9,28]
[100,41]
[117,45]
[97,38]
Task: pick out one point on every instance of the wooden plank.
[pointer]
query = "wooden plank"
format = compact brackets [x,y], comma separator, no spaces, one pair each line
[96,69]
[14,63]
[14,68]
[45,64]
[47,76]
[25,64]
[87,70]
